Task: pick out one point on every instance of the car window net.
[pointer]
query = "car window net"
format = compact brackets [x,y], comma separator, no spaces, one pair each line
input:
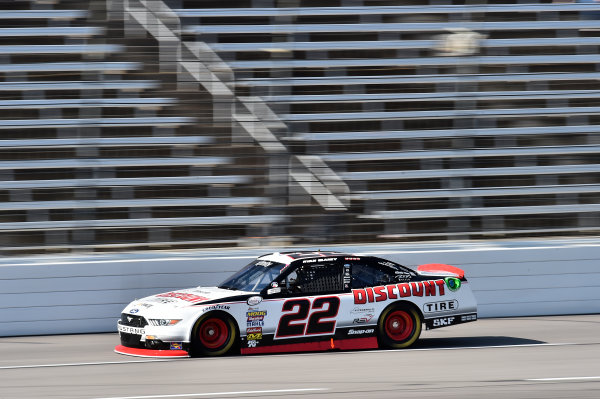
[320,279]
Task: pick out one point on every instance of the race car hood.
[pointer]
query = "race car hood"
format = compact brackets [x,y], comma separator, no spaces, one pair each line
[186,297]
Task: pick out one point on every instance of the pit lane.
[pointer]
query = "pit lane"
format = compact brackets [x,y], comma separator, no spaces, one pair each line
[551,357]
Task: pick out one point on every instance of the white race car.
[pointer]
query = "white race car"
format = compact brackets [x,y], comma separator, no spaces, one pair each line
[300,301]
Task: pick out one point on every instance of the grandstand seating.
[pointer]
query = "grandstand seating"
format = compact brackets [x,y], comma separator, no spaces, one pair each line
[92,156]
[172,123]
[444,120]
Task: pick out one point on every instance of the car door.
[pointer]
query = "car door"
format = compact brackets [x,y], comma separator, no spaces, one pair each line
[310,298]
[371,272]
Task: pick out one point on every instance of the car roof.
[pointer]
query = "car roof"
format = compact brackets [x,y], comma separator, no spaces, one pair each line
[289,257]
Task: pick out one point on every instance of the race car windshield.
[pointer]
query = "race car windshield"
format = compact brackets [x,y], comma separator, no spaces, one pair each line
[254,277]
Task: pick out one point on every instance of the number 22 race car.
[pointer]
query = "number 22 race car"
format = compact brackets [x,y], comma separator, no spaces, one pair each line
[300,301]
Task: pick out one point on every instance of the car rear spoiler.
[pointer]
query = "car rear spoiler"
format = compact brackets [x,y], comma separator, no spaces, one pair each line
[440,268]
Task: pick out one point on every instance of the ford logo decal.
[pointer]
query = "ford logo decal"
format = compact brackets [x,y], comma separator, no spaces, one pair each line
[254,300]
[134,311]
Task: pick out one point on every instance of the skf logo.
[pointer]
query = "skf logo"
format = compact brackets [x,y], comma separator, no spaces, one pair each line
[444,321]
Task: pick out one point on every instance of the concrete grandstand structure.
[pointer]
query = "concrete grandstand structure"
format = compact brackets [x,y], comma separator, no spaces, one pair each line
[162,124]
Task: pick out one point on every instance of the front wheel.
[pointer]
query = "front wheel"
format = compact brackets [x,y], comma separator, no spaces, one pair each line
[213,335]
[399,327]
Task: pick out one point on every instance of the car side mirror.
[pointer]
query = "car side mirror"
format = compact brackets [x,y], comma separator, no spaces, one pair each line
[277,291]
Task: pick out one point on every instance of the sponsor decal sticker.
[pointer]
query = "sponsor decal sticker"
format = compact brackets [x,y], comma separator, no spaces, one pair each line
[254,313]
[319,260]
[468,317]
[452,283]
[363,319]
[134,311]
[361,332]
[360,310]
[394,291]
[443,321]
[254,333]
[164,300]
[252,343]
[442,306]
[264,263]
[254,300]
[183,296]
[176,346]
[130,330]
[386,263]
[402,276]
[216,307]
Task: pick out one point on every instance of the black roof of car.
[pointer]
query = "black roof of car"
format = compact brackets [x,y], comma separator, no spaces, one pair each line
[295,255]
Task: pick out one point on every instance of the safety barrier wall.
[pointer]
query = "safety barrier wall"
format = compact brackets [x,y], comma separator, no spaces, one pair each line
[86,293]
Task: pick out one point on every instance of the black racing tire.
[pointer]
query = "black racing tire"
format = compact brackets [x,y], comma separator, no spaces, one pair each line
[214,334]
[399,326]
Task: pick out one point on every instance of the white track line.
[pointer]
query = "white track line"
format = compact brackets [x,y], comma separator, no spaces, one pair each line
[486,347]
[449,348]
[190,395]
[565,379]
[31,366]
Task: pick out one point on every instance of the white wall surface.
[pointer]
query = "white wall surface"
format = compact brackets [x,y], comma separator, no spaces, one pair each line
[86,293]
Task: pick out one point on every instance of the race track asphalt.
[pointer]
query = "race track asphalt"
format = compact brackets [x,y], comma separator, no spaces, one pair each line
[531,357]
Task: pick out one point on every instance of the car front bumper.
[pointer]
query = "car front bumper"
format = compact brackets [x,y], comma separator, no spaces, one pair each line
[152,341]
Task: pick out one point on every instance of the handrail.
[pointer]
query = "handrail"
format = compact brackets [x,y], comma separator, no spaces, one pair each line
[470,172]
[87,122]
[379,10]
[441,133]
[107,141]
[460,153]
[388,27]
[112,162]
[142,222]
[133,203]
[484,211]
[125,182]
[475,192]
[130,102]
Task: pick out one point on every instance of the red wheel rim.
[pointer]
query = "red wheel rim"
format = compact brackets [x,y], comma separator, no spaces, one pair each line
[213,333]
[399,325]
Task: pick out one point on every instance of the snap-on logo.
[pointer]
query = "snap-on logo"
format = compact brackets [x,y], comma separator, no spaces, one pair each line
[361,332]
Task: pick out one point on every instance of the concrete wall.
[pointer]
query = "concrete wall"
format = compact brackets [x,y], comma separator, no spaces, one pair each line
[80,294]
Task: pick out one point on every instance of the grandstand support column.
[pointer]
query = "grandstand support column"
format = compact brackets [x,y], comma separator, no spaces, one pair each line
[198,63]
[154,17]
[130,16]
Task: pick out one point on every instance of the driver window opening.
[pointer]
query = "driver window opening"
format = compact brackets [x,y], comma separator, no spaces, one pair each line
[316,279]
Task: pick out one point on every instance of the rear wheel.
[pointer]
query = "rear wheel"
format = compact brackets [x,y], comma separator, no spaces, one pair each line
[213,335]
[399,326]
